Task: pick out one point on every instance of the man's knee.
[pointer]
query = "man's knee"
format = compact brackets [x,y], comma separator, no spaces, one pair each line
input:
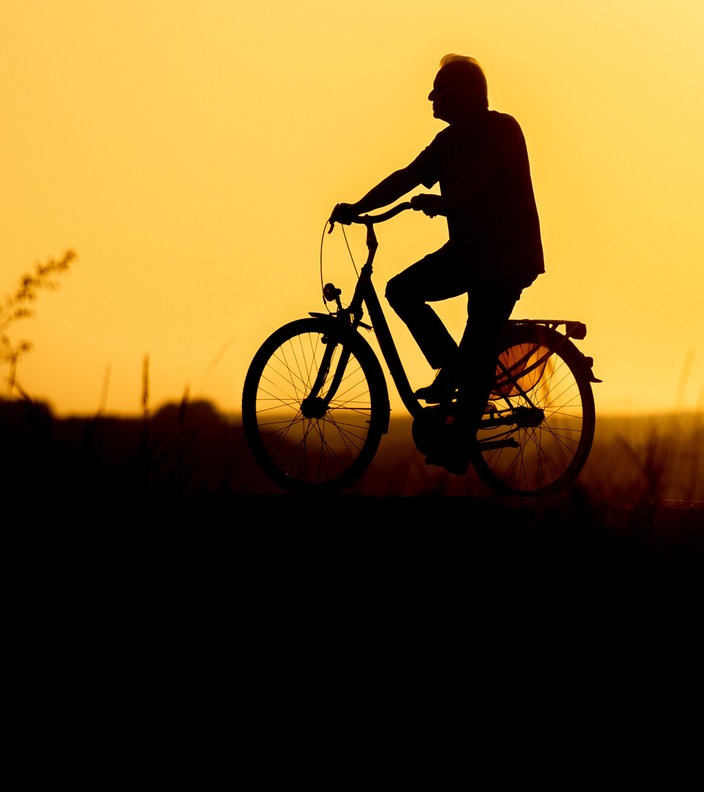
[395,294]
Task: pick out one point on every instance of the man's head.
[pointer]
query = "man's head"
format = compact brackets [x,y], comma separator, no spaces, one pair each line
[459,91]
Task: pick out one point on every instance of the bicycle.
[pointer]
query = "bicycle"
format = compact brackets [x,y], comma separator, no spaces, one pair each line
[315,401]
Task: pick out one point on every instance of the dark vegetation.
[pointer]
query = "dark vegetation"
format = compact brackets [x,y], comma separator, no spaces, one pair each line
[19,305]
[642,488]
[192,449]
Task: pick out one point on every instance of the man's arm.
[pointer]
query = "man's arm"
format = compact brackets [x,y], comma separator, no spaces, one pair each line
[387,191]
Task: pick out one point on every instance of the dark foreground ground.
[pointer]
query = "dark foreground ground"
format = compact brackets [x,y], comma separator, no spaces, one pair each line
[149,568]
[274,580]
[179,491]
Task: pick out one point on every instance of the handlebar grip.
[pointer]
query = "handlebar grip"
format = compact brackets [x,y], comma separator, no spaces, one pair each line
[366,219]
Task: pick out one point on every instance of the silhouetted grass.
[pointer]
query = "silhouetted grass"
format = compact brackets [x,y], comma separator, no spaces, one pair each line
[189,447]
[638,505]
[18,305]
[645,475]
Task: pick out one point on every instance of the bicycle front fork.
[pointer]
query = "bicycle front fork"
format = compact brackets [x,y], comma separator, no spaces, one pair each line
[314,405]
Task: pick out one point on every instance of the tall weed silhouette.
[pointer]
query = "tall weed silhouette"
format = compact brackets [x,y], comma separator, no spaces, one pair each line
[17,306]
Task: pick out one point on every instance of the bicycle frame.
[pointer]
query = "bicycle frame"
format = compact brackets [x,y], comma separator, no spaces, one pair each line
[315,400]
[365,295]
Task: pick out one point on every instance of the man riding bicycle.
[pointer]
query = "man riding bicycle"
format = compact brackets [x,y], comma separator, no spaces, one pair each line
[493,252]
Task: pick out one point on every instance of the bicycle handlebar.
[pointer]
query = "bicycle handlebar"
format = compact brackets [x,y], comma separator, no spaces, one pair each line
[366,219]
[370,219]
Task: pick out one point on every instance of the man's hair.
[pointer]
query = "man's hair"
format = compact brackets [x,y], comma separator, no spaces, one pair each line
[470,78]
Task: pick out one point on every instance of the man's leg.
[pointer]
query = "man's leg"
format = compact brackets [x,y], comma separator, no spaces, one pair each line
[435,277]
[488,310]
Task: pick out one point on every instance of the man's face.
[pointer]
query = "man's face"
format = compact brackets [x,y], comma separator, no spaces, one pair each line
[449,97]
[444,97]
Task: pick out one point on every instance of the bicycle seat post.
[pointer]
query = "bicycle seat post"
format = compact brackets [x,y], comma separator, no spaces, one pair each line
[372,243]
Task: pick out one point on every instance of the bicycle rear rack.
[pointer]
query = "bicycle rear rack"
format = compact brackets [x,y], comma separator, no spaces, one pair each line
[573,329]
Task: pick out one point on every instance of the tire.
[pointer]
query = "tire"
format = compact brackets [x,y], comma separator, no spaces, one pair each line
[549,452]
[325,449]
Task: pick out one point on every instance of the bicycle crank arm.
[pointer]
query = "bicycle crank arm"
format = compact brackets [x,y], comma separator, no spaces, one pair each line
[490,445]
[521,416]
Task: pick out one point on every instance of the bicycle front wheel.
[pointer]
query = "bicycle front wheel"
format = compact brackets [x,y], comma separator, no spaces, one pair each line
[538,433]
[314,406]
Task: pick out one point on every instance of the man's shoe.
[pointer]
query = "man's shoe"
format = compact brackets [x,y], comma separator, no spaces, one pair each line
[451,449]
[441,390]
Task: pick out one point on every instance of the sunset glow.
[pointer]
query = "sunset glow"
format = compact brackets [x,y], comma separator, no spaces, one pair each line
[190,154]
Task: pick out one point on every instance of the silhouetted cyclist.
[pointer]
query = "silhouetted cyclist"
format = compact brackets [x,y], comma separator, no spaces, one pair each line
[494,250]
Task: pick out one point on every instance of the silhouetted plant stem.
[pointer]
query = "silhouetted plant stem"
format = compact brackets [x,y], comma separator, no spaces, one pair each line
[16,306]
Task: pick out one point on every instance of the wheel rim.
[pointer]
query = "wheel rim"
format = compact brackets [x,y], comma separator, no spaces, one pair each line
[303,443]
[538,457]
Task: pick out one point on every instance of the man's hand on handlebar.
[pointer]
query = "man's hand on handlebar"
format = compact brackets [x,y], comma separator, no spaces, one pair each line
[343,213]
[428,203]
[431,205]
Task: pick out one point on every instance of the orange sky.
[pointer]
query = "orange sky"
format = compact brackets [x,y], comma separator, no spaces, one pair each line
[190,153]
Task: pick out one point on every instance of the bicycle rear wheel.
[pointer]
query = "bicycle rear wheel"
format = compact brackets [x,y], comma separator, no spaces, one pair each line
[314,406]
[538,433]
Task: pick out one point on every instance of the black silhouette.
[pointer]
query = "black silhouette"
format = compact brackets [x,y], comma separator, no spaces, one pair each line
[315,400]
[513,398]
[494,250]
